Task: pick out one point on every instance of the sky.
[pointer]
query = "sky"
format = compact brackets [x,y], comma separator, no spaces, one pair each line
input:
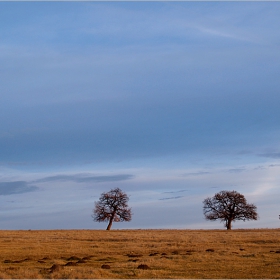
[170,101]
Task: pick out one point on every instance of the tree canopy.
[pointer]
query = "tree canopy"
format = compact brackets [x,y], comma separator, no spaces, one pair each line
[113,207]
[229,206]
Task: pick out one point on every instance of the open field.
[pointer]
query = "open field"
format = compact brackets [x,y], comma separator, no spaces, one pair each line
[166,254]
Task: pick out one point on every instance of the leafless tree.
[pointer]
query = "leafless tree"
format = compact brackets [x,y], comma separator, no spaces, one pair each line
[112,206]
[229,206]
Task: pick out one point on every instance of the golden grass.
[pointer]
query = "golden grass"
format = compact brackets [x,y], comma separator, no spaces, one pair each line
[79,254]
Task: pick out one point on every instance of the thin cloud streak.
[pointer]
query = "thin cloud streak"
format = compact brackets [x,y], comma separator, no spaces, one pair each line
[17,187]
[172,197]
[274,155]
[85,178]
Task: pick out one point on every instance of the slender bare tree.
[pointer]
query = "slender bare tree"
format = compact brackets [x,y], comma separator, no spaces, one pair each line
[229,206]
[112,206]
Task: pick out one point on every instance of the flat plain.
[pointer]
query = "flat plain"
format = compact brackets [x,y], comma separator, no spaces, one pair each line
[116,254]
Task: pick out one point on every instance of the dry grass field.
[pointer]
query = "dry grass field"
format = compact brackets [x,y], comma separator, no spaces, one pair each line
[140,254]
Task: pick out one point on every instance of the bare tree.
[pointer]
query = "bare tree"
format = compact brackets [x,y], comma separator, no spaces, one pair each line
[229,206]
[112,206]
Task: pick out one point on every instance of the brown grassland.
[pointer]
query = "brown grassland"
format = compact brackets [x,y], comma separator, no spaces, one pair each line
[164,253]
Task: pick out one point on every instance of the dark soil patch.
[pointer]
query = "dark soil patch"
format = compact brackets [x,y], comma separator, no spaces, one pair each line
[56,267]
[86,258]
[73,258]
[10,268]
[71,264]
[175,252]
[81,261]
[134,256]
[107,260]
[153,254]
[163,254]
[105,266]
[8,261]
[143,266]
[210,250]
[248,256]
[135,260]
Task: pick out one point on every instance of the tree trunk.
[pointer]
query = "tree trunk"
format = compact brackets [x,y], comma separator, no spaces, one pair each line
[229,224]
[110,224]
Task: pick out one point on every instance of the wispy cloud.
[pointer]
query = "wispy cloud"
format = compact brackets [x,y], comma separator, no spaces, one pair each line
[17,187]
[275,155]
[173,197]
[217,32]
[236,170]
[227,32]
[86,178]
[260,167]
[180,191]
[274,165]
[196,173]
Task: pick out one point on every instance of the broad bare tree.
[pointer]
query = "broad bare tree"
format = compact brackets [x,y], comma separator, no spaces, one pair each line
[112,206]
[229,206]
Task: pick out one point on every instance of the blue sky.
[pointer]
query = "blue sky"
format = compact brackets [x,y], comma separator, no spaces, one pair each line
[169,101]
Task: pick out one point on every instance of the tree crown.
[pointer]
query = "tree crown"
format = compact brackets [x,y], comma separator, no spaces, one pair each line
[229,206]
[113,206]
